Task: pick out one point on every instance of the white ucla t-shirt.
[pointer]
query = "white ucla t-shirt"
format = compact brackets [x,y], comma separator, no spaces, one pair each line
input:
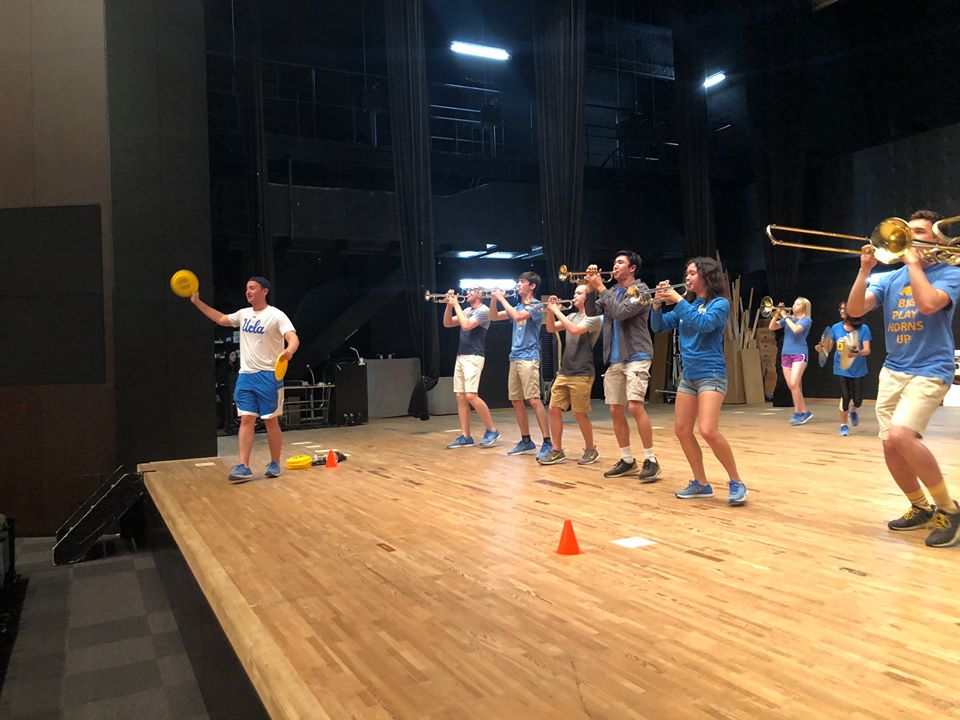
[261,336]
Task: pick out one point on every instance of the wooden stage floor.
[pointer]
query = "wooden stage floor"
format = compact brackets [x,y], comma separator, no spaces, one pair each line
[419,582]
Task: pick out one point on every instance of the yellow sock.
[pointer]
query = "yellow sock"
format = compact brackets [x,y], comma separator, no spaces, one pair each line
[918,498]
[941,498]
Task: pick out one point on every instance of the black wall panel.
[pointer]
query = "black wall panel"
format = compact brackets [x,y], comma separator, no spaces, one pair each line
[156,74]
[51,296]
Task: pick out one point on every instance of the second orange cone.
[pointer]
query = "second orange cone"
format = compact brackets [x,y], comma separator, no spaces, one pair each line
[568,540]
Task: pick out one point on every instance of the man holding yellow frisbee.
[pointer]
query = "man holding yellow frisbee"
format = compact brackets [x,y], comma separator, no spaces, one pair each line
[259,393]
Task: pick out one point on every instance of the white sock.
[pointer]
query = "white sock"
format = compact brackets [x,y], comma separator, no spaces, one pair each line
[626,454]
[648,454]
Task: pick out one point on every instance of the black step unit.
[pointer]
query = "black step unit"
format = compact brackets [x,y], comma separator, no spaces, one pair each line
[106,505]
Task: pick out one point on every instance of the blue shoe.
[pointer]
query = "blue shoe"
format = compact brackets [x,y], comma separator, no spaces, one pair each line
[461,442]
[804,417]
[240,474]
[489,438]
[844,430]
[545,450]
[795,418]
[524,447]
[854,418]
[273,469]
[738,493]
[695,490]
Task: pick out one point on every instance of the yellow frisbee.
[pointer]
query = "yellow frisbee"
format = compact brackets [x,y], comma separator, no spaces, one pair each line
[184,283]
[299,462]
[280,367]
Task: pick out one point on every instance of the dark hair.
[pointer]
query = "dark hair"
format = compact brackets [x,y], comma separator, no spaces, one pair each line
[931,215]
[530,277]
[855,321]
[632,259]
[261,281]
[712,273]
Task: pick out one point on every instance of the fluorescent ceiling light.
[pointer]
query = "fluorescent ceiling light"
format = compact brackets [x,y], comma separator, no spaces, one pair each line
[715,79]
[483,51]
[468,253]
[502,283]
[500,255]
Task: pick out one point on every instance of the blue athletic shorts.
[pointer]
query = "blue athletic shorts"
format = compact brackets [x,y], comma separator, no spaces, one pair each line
[259,394]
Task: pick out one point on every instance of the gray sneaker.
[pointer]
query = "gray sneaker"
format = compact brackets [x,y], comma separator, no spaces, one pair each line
[650,471]
[589,457]
[553,457]
[622,468]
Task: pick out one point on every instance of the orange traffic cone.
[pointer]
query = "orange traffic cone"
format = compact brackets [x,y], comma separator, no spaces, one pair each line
[568,540]
[331,459]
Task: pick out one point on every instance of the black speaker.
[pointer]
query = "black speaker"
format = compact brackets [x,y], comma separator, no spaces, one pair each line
[348,406]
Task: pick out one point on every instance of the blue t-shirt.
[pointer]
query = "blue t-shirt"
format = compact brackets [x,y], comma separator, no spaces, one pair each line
[857,365]
[615,340]
[917,344]
[525,344]
[796,343]
[473,342]
[701,326]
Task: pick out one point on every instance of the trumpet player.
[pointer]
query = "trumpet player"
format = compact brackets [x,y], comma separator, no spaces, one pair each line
[573,384]
[523,385]
[795,354]
[700,317]
[918,302]
[628,349]
[471,353]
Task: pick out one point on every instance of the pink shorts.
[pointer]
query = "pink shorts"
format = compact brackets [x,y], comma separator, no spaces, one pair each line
[788,360]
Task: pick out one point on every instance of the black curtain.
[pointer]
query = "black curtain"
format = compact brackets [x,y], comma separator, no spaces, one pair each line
[410,129]
[775,31]
[693,132]
[558,44]
[260,258]
[775,90]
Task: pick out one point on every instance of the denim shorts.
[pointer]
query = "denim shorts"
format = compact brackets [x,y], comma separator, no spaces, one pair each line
[707,384]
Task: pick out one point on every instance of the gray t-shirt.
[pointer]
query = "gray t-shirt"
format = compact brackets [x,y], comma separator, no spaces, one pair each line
[578,354]
[473,342]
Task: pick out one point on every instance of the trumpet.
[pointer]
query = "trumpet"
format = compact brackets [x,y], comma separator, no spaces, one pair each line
[576,277]
[442,297]
[565,304]
[767,308]
[646,297]
[890,240]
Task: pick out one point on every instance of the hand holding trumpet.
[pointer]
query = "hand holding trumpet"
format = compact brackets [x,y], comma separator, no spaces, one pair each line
[666,293]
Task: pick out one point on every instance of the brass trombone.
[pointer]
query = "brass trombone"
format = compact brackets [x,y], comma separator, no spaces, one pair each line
[442,297]
[945,239]
[577,277]
[768,308]
[890,240]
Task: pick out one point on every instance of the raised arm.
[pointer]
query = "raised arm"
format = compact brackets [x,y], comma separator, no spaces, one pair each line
[860,301]
[215,315]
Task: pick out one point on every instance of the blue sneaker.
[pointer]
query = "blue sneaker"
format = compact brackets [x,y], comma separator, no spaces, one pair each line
[804,417]
[795,418]
[524,447]
[461,442]
[489,438]
[273,469]
[844,430]
[545,450]
[738,493]
[695,490]
[854,418]
[240,474]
